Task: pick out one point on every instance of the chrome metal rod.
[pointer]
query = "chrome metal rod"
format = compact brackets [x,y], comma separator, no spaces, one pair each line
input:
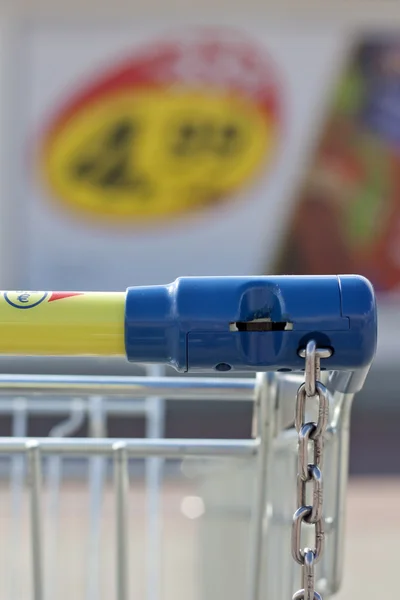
[188,388]
[265,423]
[33,450]
[121,498]
[174,448]
[54,471]
[340,438]
[155,429]
[17,480]
[97,475]
[55,406]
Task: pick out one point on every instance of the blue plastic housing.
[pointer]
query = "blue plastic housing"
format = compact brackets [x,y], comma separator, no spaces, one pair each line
[251,323]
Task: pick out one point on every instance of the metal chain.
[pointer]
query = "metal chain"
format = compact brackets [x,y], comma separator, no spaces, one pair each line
[310,472]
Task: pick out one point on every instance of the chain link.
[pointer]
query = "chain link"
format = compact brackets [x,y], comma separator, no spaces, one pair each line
[310,472]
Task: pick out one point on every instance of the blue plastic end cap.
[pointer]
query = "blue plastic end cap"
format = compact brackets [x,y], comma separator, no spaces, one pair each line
[252,323]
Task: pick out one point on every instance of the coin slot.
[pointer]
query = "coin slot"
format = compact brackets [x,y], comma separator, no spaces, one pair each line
[261,325]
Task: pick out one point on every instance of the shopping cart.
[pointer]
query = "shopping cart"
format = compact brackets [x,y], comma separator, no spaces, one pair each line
[311,341]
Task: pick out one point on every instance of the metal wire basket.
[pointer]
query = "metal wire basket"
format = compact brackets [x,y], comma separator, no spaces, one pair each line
[246,488]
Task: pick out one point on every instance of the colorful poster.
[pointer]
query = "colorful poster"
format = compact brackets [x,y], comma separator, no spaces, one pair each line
[347,216]
[173,127]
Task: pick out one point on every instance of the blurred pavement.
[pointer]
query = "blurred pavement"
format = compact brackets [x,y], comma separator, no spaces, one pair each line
[373,530]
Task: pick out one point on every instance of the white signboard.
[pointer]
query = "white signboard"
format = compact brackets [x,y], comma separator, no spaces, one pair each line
[154,152]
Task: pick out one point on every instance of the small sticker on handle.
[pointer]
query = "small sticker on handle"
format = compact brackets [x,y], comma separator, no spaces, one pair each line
[30,299]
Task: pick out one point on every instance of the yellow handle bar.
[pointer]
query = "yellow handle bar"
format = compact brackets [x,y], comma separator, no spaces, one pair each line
[62,323]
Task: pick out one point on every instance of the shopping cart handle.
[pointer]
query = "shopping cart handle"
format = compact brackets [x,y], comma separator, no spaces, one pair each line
[252,323]
[202,323]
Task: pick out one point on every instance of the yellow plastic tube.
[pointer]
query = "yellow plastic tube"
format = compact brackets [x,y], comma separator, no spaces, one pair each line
[62,323]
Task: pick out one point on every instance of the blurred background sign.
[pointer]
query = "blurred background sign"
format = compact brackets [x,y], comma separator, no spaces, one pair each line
[174,127]
[156,152]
